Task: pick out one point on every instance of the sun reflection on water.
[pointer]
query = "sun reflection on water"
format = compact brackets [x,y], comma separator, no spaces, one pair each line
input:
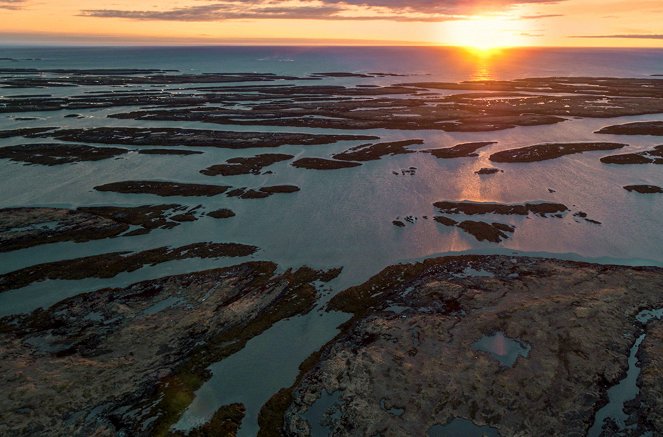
[483,60]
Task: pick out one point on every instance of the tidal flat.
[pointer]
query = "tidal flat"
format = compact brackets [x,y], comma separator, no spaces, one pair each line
[328,252]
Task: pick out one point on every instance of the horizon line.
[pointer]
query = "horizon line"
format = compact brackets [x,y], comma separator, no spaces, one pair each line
[51,39]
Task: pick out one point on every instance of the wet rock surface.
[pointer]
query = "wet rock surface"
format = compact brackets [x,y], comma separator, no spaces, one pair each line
[109,265]
[222,213]
[142,350]
[460,150]
[578,319]
[26,227]
[654,128]
[654,156]
[261,193]
[482,231]
[488,171]
[323,164]
[543,152]
[644,189]
[164,189]
[249,165]
[372,152]
[56,154]
[541,209]
[108,77]
[650,408]
[28,131]
[493,232]
[193,137]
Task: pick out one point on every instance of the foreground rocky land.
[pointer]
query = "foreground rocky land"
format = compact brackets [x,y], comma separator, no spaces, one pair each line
[409,359]
[127,361]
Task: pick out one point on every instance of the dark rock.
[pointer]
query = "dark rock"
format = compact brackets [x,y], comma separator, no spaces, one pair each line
[163,189]
[371,152]
[109,265]
[644,189]
[460,151]
[487,171]
[221,213]
[323,164]
[250,165]
[56,153]
[472,208]
[654,128]
[543,152]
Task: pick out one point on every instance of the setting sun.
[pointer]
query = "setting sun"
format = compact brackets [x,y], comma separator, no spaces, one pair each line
[485,33]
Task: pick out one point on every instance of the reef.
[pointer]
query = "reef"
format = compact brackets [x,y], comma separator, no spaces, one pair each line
[109,265]
[488,171]
[21,228]
[408,360]
[542,209]
[127,361]
[654,156]
[173,137]
[323,164]
[261,193]
[650,383]
[25,132]
[543,152]
[249,165]
[164,189]
[111,77]
[493,232]
[56,153]
[223,213]
[482,231]
[644,189]
[654,128]
[372,152]
[460,151]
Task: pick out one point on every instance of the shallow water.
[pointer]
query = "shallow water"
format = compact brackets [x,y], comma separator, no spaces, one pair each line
[627,388]
[504,349]
[344,217]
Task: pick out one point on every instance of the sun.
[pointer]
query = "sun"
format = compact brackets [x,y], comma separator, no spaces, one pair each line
[484,33]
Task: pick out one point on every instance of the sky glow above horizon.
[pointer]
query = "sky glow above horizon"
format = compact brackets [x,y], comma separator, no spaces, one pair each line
[480,24]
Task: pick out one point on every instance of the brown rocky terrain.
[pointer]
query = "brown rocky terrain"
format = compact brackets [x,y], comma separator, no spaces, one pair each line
[26,227]
[172,137]
[460,150]
[541,209]
[162,188]
[246,165]
[323,164]
[408,360]
[108,265]
[543,152]
[55,153]
[654,128]
[644,189]
[128,361]
[372,152]
[654,156]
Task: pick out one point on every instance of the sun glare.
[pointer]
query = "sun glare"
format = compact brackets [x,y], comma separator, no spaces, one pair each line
[483,34]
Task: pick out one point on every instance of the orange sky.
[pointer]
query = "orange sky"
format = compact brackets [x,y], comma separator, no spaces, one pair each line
[611,23]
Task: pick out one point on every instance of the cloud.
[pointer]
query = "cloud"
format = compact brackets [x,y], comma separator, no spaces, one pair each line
[392,10]
[11,4]
[627,36]
[539,17]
